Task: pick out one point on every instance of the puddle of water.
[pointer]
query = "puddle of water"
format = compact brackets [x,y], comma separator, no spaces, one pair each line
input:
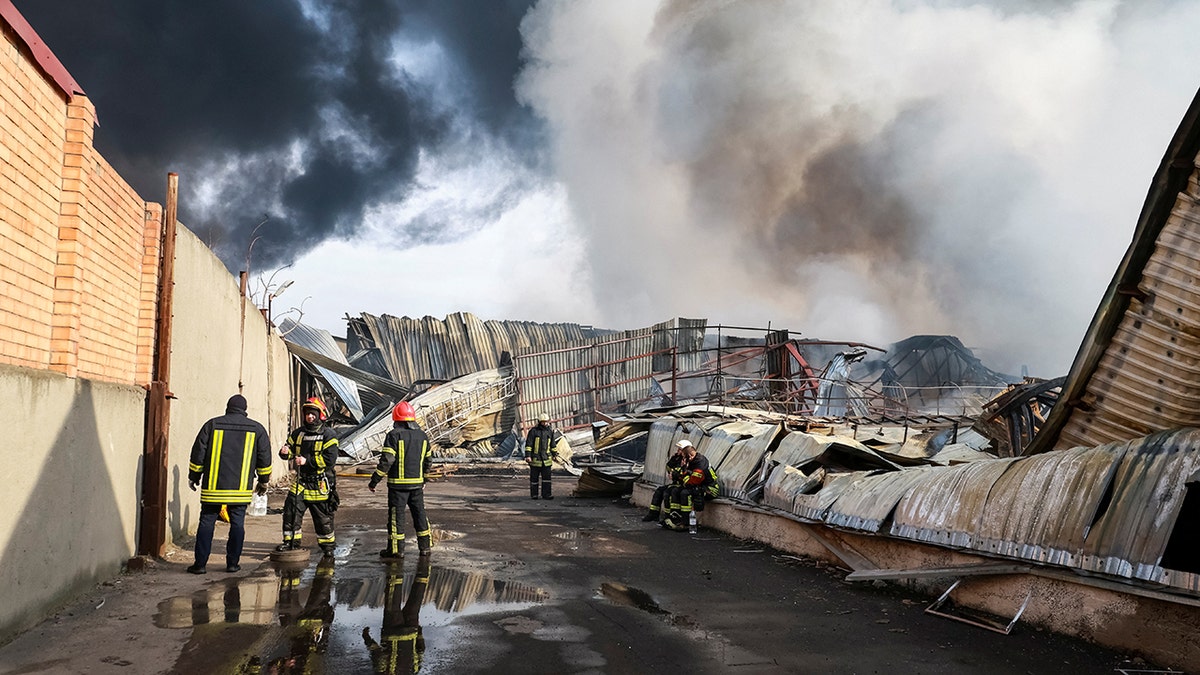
[634,597]
[357,615]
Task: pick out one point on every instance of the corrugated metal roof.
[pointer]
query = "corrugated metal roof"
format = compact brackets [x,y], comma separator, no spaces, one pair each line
[867,504]
[1129,538]
[785,482]
[814,506]
[1042,506]
[1136,371]
[460,344]
[321,341]
[735,451]
[946,508]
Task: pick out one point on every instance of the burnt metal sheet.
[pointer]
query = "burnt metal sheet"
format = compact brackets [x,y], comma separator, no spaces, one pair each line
[798,448]
[321,342]
[1042,507]
[1148,487]
[946,508]
[570,381]
[1137,369]
[784,483]
[472,408]
[661,445]
[444,349]
[867,504]
[814,506]
[736,451]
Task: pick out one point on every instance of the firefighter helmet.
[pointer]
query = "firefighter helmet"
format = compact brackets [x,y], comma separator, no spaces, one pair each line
[685,443]
[316,404]
[543,417]
[403,412]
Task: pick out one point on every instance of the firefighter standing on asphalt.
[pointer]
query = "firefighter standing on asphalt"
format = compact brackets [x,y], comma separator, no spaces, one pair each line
[404,461]
[699,483]
[540,454]
[313,450]
[230,451]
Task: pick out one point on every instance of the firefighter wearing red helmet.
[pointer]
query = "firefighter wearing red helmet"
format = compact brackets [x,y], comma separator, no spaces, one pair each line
[404,462]
[313,449]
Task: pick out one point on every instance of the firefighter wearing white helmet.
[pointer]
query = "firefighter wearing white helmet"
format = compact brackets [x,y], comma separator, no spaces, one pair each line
[540,454]
[698,483]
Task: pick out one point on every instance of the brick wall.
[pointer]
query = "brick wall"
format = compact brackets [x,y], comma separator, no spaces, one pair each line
[78,247]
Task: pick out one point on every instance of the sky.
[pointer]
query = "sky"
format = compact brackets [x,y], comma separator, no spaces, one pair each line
[856,170]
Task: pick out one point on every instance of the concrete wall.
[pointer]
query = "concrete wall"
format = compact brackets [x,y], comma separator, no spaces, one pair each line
[206,356]
[71,488]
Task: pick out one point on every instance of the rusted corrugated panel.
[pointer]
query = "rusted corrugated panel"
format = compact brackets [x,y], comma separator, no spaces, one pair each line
[735,451]
[868,503]
[947,507]
[1129,538]
[1042,506]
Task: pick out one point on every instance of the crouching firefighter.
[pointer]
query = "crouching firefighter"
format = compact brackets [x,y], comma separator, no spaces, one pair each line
[698,484]
[404,461]
[313,449]
[658,503]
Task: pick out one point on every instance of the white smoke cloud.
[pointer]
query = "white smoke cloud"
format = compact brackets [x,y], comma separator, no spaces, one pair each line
[860,170]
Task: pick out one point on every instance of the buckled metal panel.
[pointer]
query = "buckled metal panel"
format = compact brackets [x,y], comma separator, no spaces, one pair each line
[1129,538]
[868,503]
[947,507]
[735,451]
[814,506]
[1042,506]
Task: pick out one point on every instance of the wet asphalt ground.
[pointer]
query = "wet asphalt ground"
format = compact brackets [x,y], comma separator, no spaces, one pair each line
[514,585]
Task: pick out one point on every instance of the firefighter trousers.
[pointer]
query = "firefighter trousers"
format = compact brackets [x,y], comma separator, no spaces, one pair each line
[540,474]
[415,500]
[293,517]
[237,533]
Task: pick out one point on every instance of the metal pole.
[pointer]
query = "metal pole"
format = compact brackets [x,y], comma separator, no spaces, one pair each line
[152,536]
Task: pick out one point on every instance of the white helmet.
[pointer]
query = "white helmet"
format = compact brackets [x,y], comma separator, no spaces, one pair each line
[685,443]
[543,417]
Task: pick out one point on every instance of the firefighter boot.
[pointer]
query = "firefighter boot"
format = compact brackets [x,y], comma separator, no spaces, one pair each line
[652,514]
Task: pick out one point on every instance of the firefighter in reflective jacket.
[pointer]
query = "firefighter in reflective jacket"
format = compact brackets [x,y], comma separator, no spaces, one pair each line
[313,449]
[699,484]
[674,480]
[404,461]
[540,454]
[403,642]
[231,453]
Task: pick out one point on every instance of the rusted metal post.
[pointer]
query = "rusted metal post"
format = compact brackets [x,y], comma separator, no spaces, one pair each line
[152,536]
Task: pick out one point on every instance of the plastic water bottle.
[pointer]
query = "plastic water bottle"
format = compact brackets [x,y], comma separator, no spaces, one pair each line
[691,522]
[258,505]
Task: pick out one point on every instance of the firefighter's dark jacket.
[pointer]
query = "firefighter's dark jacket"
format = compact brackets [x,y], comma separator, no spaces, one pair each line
[405,458]
[698,473]
[229,453]
[539,445]
[319,448]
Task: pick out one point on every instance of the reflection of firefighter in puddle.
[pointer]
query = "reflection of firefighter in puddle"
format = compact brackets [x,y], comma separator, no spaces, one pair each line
[308,625]
[403,644]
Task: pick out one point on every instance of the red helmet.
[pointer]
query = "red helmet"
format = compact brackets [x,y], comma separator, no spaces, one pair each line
[316,404]
[403,412]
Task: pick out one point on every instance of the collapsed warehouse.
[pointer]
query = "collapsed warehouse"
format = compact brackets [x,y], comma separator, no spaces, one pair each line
[1068,502]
